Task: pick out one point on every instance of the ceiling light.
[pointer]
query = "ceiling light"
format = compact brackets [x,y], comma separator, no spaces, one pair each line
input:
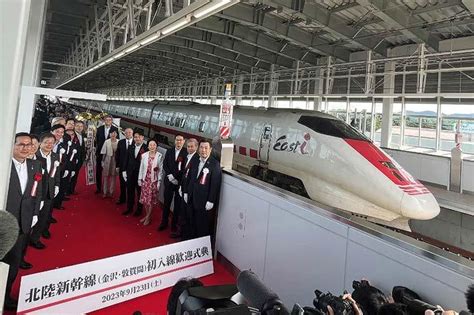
[132,48]
[175,26]
[209,8]
[148,40]
[120,54]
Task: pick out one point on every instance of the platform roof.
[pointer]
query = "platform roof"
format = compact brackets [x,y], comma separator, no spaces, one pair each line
[248,36]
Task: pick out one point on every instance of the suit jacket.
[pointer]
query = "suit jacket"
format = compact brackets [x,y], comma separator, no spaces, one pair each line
[23,206]
[121,155]
[63,157]
[174,166]
[100,137]
[206,185]
[133,163]
[187,170]
[72,160]
[83,151]
[49,181]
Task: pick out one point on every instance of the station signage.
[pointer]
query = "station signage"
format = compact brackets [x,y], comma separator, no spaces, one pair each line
[101,283]
[226,112]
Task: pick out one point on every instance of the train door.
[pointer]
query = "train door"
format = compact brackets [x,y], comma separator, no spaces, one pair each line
[265,142]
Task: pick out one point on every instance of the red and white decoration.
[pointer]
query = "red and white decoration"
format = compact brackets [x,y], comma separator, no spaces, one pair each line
[55,167]
[205,171]
[37,179]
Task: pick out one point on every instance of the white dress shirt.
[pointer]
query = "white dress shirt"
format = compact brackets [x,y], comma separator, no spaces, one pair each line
[22,171]
[79,136]
[137,149]
[106,131]
[176,153]
[48,160]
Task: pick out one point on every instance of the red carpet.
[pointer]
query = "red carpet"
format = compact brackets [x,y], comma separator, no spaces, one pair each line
[92,228]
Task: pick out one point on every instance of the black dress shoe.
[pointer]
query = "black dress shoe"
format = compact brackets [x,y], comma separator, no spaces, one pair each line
[53,220]
[37,245]
[10,304]
[25,265]
[174,229]
[137,213]
[127,212]
[162,227]
[46,235]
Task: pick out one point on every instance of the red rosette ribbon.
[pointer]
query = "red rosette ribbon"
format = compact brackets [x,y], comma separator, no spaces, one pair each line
[37,179]
[205,171]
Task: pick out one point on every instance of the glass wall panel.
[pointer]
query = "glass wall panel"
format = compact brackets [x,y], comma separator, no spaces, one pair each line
[337,109]
[420,125]
[452,115]
[396,125]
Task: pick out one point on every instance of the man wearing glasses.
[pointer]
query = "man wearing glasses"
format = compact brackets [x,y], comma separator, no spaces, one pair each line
[23,203]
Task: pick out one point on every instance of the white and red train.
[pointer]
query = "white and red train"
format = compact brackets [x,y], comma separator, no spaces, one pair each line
[304,151]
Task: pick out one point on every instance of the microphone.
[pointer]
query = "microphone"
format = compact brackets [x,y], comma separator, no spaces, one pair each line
[8,232]
[258,295]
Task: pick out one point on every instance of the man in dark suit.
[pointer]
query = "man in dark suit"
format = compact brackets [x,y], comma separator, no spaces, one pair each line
[61,148]
[173,165]
[22,203]
[132,169]
[186,227]
[79,139]
[103,133]
[121,156]
[51,179]
[202,192]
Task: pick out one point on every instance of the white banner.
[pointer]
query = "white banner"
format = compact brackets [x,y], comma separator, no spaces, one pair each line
[97,284]
[90,157]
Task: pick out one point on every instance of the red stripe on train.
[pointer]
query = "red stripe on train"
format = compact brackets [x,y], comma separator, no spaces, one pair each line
[381,160]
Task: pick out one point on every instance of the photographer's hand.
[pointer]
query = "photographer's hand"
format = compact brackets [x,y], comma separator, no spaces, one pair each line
[355,307]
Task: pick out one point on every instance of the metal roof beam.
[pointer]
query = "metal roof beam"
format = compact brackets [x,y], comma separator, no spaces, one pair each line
[334,24]
[239,55]
[343,7]
[280,28]
[186,55]
[440,5]
[400,18]
[249,39]
[207,53]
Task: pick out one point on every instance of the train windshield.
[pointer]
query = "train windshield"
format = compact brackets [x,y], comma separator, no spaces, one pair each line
[332,127]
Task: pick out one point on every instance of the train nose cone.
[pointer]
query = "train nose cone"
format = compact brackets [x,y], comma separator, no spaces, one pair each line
[419,207]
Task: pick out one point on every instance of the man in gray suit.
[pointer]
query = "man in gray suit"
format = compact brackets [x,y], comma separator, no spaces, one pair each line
[23,201]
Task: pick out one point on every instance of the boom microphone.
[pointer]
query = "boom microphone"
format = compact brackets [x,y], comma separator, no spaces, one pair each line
[258,295]
[8,232]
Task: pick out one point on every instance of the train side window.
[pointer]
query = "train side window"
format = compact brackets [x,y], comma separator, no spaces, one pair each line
[183,122]
[201,126]
[168,119]
[177,122]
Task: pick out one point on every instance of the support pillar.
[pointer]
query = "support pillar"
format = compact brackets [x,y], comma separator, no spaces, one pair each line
[14,18]
[273,86]
[387,110]
[31,74]
[239,90]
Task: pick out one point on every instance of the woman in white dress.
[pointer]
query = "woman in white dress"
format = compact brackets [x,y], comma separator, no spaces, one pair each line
[151,170]
[109,172]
